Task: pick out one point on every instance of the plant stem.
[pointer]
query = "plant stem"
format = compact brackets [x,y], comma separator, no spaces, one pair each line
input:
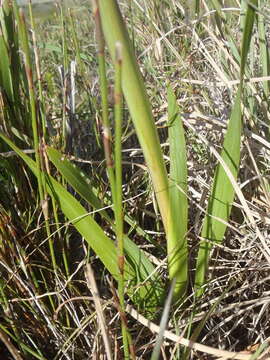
[118,195]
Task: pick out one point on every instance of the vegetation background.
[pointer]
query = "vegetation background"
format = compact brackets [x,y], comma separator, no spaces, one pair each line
[134,180]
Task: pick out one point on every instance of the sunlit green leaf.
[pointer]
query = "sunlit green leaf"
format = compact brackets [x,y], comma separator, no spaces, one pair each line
[177,247]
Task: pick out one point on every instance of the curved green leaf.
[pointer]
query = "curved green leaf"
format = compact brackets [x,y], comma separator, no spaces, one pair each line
[81,184]
[147,293]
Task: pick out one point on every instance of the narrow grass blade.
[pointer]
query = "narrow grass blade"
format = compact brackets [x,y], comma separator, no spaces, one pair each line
[177,247]
[10,70]
[26,349]
[82,185]
[77,179]
[118,197]
[84,223]
[196,331]
[264,51]
[106,128]
[163,323]
[8,344]
[92,285]
[146,295]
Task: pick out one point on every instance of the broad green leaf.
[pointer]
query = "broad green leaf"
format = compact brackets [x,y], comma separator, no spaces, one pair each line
[177,247]
[81,184]
[77,179]
[147,294]
[222,194]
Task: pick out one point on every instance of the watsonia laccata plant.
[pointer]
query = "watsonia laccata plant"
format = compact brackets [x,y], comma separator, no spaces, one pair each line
[139,272]
[170,190]
[140,110]
[172,202]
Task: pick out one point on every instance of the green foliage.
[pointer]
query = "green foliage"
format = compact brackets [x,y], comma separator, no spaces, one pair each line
[137,268]
[40,189]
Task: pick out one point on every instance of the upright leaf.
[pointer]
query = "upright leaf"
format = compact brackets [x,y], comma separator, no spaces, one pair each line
[252,5]
[222,194]
[264,51]
[177,247]
[140,110]
[137,100]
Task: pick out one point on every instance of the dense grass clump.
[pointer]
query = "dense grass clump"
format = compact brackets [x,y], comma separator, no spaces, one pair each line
[134,180]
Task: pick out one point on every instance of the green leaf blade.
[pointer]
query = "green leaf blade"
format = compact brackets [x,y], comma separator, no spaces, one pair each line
[247,33]
[143,267]
[139,273]
[222,194]
[177,243]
